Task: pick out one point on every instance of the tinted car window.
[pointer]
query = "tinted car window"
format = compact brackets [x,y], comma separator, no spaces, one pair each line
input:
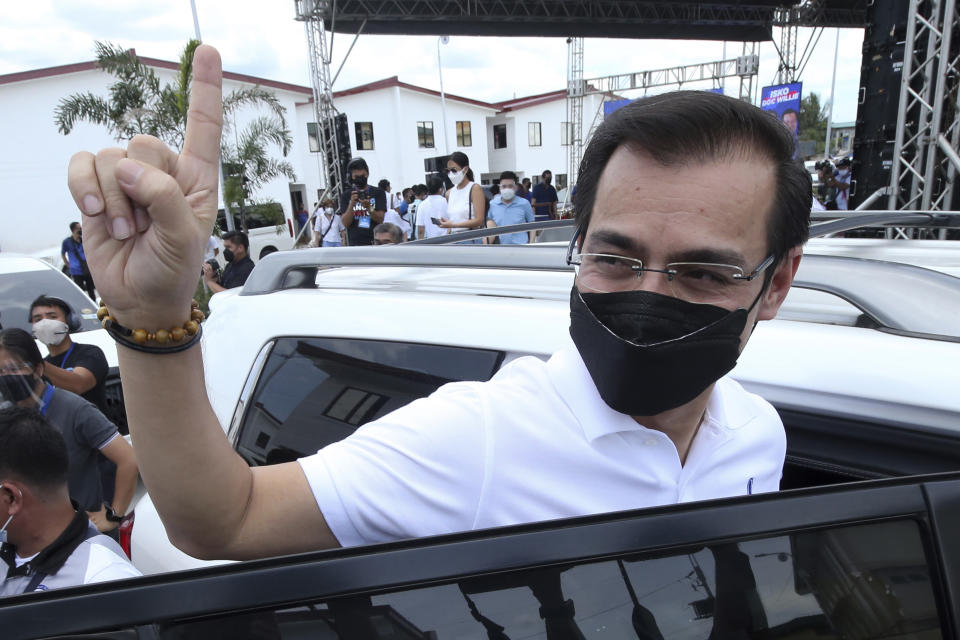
[314,391]
[18,290]
[867,581]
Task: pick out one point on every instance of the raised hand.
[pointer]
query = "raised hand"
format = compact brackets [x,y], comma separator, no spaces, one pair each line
[148,212]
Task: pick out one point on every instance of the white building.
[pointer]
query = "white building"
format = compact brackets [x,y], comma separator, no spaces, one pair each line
[393,125]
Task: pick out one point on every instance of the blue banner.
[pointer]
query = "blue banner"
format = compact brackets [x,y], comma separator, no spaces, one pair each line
[784,101]
[609,106]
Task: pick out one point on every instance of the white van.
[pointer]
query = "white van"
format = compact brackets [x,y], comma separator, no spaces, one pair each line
[269,228]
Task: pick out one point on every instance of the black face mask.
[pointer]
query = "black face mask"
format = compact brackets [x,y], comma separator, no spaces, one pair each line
[648,353]
[228,255]
[16,387]
[360,182]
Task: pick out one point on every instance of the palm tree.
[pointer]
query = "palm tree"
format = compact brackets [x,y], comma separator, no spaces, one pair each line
[138,104]
[248,163]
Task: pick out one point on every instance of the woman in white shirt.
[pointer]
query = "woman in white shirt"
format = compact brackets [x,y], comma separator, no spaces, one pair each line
[329,228]
[466,206]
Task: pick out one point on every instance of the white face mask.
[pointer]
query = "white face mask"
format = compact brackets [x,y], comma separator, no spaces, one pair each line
[456,177]
[507,194]
[50,332]
[328,211]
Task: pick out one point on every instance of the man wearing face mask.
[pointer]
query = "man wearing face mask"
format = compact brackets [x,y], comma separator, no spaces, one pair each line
[544,197]
[86,431]
[239,264]
[692,217]
[508,208]
[74,366]
[362,207]
[49,543]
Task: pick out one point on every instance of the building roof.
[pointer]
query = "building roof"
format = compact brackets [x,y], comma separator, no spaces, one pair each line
[394,81]
[843,125]
[90,65]
[532,101]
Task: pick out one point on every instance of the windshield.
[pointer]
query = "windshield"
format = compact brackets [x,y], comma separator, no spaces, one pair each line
[18,290]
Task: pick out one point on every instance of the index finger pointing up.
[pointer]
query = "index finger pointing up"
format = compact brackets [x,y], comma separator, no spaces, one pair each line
[205,117]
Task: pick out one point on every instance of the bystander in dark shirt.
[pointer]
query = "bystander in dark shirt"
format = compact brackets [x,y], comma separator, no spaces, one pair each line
[236,273]
[544,194]
[91,358]
[361,231]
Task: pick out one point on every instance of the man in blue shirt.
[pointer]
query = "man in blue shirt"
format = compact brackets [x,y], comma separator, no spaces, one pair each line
[544,197]
[71,250]
[506,209]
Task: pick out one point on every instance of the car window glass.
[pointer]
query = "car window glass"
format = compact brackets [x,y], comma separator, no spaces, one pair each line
[314,391]
[19,290]
[865,582]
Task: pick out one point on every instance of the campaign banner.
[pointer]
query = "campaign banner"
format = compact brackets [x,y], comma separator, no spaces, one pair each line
[784,101]
[609,106]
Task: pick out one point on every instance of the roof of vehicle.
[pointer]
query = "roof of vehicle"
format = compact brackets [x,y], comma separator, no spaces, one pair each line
[17,263]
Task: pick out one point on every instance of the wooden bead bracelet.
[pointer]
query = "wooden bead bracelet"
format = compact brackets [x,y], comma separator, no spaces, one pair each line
[137,339]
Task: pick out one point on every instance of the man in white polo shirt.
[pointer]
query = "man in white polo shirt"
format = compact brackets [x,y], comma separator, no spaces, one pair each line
[692,217]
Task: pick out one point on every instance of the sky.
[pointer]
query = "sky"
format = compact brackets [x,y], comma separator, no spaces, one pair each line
[261,38]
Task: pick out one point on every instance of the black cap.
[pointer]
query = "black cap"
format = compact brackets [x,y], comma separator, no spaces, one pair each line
[358,163]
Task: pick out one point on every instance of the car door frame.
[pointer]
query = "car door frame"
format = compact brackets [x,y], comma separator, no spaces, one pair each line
[932,501]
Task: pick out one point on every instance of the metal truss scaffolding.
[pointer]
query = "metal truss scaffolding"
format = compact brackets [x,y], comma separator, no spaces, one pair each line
[576,89]
[320,54]
[925,163]
[789,33]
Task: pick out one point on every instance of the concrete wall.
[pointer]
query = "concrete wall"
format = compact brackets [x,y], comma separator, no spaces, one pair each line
[394,112]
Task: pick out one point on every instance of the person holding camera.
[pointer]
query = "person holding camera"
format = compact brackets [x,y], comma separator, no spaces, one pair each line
[362,207]
[239,265]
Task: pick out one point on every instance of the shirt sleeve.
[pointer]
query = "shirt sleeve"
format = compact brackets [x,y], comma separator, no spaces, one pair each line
[93,428]
[527,212]
[418,471]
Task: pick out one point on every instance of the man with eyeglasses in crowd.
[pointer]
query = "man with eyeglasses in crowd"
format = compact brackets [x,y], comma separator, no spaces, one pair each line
[692,217]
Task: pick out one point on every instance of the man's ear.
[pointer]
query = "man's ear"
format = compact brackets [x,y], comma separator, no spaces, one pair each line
[779,286]
[12,495]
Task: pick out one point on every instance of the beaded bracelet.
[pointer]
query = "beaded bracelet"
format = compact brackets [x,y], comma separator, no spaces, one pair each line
[137,339]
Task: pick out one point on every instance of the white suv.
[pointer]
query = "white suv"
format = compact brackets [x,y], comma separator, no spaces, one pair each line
[321,341]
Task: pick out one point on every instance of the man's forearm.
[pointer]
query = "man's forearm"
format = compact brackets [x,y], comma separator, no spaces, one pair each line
[377,216]
[69,380]
[199,484]
[215,286]
[124,486]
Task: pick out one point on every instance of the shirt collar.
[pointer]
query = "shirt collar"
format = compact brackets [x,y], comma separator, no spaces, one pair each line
[576,388]
[571,379]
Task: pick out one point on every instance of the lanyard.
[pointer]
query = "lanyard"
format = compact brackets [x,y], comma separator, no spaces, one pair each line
[45,401]
[63,363]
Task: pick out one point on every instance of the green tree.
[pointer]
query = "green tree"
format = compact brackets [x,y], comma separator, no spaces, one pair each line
[137,103]
[248,163]
[813,120]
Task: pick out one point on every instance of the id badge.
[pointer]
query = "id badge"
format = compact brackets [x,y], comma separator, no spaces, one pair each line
[364,222]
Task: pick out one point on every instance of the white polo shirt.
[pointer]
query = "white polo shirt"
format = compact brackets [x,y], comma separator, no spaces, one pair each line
[534,443]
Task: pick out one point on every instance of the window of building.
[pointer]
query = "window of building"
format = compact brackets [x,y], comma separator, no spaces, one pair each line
[499,136]
[533,134]
[566,133]
[364,134]
[561,181]
[313,137]
[425,134]
[464,135]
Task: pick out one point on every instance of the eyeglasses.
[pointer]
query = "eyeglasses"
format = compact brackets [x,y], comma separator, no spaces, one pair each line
[699,282]
[14,368]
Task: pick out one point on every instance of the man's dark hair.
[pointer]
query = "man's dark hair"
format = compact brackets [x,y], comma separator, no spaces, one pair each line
[508,175]
[50,301]
[384,184]
[406,191]
[545,173]
[684,127]
[434,185]
[238,237]
[73,226]
[358,163]
[21,345]
[396,233]
[31,449]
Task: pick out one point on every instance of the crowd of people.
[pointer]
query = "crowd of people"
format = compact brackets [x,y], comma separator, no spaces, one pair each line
[446,204]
